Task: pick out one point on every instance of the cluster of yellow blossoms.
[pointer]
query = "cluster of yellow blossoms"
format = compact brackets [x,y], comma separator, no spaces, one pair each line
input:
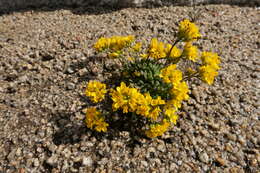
[158,50]
[96,91]
[208,70]
[157,129]
[180,89]
[131,100]
[171,74]
[114,43]
[190,51]
[160,113]
[95,120]
[188,31]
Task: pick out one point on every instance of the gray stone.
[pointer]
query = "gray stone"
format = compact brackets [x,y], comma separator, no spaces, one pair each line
[18,152]
[204,157]
[52,161]
[36,162]
[231,137]
[87,161]
[11,155]
[144,163]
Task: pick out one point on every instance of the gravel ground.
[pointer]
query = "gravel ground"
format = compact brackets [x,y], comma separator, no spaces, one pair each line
[47,58]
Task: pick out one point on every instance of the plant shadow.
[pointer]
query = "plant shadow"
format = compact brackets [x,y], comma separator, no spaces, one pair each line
[68,131]
[72,132]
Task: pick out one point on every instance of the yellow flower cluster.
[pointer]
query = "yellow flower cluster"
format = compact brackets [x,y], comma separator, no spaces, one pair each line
[190,52]
[115,43]
[179,92]
[175,52]
[157,129]
[125,98]
[210,65]
[171,74]
[149,107]
[188,31]
[211,59]
[101,44]
[180,88]
[137,47]
[170,113]
[159,50]
[131,100]
[156,49]
[94,120]
[96,91]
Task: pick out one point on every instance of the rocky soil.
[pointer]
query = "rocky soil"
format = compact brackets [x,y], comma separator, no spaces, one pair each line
[47,59]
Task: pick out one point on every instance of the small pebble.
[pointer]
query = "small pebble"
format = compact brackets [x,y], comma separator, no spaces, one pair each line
[87,161]
[52,161]
[204,157]
[36,162]
[221,161]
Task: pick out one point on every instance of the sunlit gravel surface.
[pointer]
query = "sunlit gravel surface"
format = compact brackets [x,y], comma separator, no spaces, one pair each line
[46,59]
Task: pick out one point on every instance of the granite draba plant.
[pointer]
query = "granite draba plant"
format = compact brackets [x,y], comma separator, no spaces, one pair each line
[152,86]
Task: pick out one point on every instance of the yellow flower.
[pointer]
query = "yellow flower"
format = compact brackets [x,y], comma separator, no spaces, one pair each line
[143,107]
[207,73]
[91,113]
[114,43]
[125,98]
[137,47]
[170,113]
[175,52]
[94,120]
[130,59]
[157,101]
[149,107]
[175,103]
[171,75]
[190,52]
[156,49]
[113,55]
[190,71]
[101,125]
[144,56]
[101,44]
[96,91]
[188,31]
[179,93]
[154,113]
[129,39]
[137,73]
[120,42]
[211,59]
[157,129]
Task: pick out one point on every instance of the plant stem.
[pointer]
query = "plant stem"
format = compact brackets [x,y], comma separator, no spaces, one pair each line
[169,60]
[169,53]
[191,76]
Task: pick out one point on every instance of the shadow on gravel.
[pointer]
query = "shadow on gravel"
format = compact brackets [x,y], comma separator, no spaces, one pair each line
[90,8]
[75,9]
[69,132]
